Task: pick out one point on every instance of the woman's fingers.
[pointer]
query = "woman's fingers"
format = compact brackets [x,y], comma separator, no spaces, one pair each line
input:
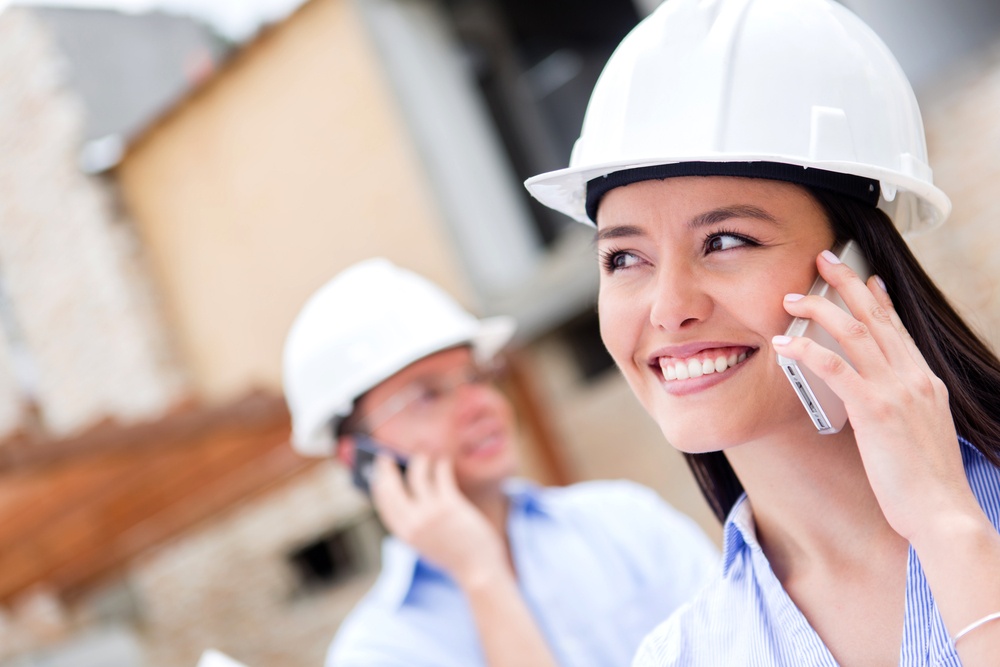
[826,364]
[868,334]
[854,336]
[878,290]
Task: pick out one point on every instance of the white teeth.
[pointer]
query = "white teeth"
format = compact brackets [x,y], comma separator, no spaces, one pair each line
[695,368]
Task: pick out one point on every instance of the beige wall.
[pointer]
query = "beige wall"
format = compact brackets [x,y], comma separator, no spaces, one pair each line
[287,168]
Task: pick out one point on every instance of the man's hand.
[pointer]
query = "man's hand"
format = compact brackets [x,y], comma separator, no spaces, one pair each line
[428,511]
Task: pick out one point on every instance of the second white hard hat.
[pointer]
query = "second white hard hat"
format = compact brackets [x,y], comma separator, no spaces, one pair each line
[366,324]
[797,83]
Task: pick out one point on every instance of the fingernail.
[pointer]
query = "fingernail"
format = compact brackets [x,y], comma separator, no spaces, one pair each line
[830,257]
[781,340]
[881,284]
[794,297]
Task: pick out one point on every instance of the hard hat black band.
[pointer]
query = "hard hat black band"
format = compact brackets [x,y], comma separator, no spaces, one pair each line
[856,187]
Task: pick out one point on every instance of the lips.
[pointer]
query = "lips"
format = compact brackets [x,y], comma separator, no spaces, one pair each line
[683,365]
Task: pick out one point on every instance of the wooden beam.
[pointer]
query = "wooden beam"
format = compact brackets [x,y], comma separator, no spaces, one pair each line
[78,515]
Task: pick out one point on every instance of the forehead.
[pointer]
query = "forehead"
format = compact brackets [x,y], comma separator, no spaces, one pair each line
[688,196]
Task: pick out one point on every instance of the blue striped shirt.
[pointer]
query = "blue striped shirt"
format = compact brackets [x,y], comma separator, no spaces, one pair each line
[745,617]
[600,564]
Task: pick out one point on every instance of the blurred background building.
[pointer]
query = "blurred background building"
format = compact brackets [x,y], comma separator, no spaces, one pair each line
[174,184]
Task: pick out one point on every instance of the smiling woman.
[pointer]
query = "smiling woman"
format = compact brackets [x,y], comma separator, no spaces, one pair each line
[718,189]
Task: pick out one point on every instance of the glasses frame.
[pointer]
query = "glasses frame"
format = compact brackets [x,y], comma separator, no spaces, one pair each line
[477,374]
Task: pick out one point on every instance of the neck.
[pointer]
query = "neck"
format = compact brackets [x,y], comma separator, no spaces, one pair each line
[811,500]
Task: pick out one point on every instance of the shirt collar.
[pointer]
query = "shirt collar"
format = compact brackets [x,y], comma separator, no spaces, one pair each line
[399,569]
[403,568]
[739,532]
[525,497]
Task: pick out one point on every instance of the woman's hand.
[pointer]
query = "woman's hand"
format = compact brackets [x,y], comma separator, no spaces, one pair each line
[429,512]
[896,405]
[904,430]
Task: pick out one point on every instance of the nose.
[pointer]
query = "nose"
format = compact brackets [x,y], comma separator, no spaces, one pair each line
[679,299]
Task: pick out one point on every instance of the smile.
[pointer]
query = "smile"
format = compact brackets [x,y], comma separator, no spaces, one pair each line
[707,362]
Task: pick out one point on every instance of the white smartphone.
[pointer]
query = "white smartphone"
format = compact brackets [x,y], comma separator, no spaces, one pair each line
[823,406]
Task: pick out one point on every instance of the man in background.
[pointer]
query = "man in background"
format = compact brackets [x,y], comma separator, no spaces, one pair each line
[384,370]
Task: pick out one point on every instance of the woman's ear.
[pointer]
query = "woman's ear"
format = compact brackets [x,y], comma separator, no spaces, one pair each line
[345,450]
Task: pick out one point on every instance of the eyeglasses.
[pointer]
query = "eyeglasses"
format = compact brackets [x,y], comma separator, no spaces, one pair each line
[431,396]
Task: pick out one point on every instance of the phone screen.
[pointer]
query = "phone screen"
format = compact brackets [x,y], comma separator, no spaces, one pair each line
[824,407]
[365,451]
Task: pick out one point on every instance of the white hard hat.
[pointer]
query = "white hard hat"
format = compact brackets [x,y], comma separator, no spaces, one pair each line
[366,324]
[793,83]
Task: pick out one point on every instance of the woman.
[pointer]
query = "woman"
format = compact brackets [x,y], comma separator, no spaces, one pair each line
[728,146]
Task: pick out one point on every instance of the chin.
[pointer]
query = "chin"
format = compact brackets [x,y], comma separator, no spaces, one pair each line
[691,436]
[489,471]
[690,446]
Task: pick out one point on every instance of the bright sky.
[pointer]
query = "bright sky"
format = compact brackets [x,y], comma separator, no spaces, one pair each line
[236,19]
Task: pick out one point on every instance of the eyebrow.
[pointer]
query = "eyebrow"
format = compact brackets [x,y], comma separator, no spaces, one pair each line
[726,212]
[618,232]
[712,217]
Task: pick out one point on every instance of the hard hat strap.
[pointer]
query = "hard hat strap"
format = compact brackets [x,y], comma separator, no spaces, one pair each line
[863,189]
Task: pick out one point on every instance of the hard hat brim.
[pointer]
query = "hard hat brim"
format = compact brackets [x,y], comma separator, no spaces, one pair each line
[565,190]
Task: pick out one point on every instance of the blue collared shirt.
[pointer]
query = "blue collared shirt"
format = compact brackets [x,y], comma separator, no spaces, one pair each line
[600,564]
[747,618]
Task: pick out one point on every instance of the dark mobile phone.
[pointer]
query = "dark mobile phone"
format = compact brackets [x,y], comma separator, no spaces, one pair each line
[823,406]
[365,451]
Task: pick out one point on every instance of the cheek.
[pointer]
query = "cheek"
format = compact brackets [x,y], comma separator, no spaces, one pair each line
[618,315]
[759,301]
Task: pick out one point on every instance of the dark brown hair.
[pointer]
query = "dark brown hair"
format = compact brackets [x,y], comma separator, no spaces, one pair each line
[969,369]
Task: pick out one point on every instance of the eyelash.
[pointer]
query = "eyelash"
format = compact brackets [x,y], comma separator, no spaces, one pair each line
[607,258]
[727,232]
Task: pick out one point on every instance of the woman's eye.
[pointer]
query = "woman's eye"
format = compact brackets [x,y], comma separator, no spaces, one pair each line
[718,242]
[617,260]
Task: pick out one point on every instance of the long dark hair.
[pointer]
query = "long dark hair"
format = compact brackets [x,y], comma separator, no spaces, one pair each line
[969,369]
